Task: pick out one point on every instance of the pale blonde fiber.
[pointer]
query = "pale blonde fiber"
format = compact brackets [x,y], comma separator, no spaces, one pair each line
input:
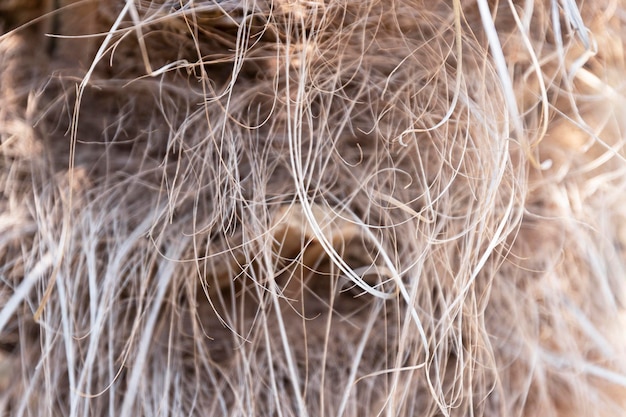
[312,208]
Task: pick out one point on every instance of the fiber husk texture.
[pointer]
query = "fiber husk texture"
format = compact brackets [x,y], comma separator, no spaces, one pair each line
[322,208]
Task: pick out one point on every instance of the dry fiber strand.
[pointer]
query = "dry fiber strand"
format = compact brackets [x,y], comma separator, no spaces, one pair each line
[312,208]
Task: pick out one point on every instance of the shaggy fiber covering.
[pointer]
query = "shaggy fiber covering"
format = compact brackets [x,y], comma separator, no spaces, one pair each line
[312,208]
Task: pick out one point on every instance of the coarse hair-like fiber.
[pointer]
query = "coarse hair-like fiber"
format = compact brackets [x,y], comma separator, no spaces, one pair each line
[312,208]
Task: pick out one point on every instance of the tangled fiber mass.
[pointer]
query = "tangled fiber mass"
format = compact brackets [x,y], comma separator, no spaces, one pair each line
[312,208]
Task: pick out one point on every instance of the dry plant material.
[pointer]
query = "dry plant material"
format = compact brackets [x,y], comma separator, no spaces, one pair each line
[312,208]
